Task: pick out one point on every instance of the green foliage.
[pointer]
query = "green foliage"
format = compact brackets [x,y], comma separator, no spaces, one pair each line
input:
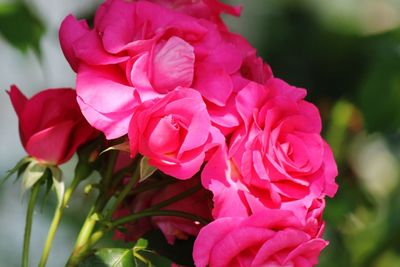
[58,183]
[379,94]
[33,173]
[18,169]
[20,26]
[110,257]
[180,252]
[146,170]
[138,256]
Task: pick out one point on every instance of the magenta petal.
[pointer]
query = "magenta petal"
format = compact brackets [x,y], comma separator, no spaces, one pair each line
[164,137]
[209,236]
[139,77]
[50,144]
[226,55]
[234,243]
[250,98]
[113,125]
[213,83]
[82,132]
[173,65]
[216,168]
[104,89]
[227,200]
[331,171]
[117,24]
[105,101]
[226,116]
[183,170]
[309,250]
[198,131]
[45,109]
[71,30]
[18,99]
[280,87]
[89,49]
[286,239]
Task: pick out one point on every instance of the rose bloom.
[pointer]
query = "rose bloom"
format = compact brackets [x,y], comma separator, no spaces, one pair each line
[278,156]
[174,132]
[139,51]
[51,124]
[269,238]
[199,203]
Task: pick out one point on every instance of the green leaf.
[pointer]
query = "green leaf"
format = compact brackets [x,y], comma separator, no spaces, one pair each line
[58,183]
[120,147]
[180,252]
[21,165]
[146,170]
[48,184]
[110,257]
[141,244]
[20,26]
[33,173]
[138,256]
[152,259]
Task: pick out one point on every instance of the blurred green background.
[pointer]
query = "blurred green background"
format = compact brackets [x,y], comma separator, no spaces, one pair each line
[345,52]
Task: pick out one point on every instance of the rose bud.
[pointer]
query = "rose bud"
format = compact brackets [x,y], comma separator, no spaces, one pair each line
[51,125]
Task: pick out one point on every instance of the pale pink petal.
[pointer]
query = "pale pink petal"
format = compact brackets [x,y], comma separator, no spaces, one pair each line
[113,125]
[173,65]
[139,77]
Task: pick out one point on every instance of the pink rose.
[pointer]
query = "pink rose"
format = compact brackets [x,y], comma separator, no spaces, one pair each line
[51,124]
[268,238]
[232,198]
[277,156]
[139,51]
[174,132]
[283,149]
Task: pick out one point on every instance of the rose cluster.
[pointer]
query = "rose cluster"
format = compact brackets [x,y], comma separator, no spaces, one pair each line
[202,107]
[194,97]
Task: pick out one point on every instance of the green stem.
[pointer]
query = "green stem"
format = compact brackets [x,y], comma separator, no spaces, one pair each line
[28,224]
[80,249]
[152,211]
[108,173]
[150,186]
[121,196]
[175,198]
[56,220]
[86,231]
[146,213]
